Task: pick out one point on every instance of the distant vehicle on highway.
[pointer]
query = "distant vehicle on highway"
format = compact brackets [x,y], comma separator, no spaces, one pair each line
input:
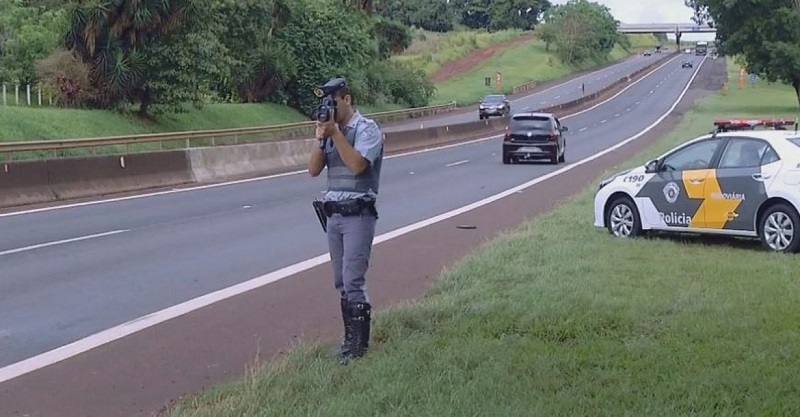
[687,63]
[701,48]
[534,135]
[738,181]
[494,105]
[647,53]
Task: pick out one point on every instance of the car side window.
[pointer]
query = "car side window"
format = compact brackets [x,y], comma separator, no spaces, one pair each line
[747,153]
[695,156]
[769,156]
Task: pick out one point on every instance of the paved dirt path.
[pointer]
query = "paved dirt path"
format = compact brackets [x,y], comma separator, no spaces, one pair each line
[140,374]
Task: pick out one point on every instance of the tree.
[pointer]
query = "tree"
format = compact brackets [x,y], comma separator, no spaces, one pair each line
[433,15]
[766,34]
[27,34]
[112,37]
[500,14]
[580,31]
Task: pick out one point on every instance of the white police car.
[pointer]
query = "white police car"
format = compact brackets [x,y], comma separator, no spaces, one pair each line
[737,181]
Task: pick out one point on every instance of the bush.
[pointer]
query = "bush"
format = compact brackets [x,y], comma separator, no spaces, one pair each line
[63,73]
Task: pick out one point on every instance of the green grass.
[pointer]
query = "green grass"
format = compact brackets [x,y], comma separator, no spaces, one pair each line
[519,64]
[558,318]
[44,123]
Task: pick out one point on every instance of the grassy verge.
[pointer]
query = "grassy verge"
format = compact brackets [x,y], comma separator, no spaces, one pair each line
[42,123]
[519,64]
[558,318]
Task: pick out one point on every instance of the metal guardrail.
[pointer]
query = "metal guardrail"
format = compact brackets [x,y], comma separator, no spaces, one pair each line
[184,140]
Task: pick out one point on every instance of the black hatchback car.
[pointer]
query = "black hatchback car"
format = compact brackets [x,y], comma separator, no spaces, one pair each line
[494,105]
[534,136]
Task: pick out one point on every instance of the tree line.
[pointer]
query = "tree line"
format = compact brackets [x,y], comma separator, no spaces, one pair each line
[163,55]
[765,35]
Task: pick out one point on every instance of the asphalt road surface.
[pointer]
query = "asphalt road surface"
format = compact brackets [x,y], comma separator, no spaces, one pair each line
[550,96]
[68,273]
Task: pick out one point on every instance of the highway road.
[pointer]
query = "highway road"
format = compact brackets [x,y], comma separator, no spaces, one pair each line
[560,93]
[71,272]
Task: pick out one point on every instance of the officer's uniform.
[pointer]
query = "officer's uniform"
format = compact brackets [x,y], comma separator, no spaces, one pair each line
[350,235]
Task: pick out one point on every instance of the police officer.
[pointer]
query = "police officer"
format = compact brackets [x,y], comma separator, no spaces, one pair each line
[353,154]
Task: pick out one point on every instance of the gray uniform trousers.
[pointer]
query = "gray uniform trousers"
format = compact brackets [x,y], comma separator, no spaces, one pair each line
[350,245]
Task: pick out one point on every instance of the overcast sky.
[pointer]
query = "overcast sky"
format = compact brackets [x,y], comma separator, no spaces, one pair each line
[650,11]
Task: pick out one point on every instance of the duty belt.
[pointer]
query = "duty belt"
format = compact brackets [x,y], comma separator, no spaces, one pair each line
[352,207]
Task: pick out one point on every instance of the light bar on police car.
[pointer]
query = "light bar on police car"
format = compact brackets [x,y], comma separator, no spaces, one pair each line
[742,123]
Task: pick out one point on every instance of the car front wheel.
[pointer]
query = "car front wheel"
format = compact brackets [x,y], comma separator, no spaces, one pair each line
[622,218]
[778,229]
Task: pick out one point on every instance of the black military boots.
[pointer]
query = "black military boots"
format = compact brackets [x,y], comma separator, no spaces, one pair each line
[356,318]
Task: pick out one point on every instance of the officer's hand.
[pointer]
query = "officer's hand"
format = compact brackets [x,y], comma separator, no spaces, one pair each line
[326,129]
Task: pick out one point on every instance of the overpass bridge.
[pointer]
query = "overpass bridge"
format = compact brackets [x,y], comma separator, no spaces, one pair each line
[675,28]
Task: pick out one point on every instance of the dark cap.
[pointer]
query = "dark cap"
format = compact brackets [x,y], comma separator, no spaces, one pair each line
[331,87]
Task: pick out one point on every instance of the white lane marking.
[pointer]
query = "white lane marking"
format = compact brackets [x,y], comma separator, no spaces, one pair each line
[526,107]
[603,121]
[583,129]
[60,242]
[109,335]
[543,102]
[457,163]
[616,115]
[286,174]
[558,97]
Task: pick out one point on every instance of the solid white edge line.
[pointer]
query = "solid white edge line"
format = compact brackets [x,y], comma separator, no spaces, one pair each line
[106,336]
[273,176]
[61,242]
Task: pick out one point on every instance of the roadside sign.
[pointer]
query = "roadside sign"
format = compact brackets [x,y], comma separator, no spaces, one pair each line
[753,79]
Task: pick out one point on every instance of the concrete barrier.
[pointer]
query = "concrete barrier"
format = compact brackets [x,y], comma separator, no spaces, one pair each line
[57,179]
[45,181]
[24,183]
[227,162]
[91,176]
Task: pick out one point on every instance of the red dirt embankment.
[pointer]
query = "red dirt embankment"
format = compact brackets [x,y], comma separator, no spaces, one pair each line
[459,66]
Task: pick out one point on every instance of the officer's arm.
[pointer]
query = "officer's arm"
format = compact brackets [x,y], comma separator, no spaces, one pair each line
[316,162]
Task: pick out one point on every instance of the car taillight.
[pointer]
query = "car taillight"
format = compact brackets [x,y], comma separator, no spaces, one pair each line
[507,135]
[553,136]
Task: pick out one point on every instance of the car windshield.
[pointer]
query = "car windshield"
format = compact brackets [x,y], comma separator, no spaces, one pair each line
[531,122]
[493,99]
[796,141]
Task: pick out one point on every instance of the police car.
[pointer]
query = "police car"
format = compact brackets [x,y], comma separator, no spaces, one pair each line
[737,181]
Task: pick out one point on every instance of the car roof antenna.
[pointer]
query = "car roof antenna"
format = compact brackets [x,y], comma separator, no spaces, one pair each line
[796,123]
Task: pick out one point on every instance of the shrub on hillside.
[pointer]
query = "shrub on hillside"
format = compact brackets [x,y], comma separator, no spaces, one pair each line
[64,75]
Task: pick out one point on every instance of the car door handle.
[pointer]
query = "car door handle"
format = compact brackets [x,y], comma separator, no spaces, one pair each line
[760,177]
[696,181]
